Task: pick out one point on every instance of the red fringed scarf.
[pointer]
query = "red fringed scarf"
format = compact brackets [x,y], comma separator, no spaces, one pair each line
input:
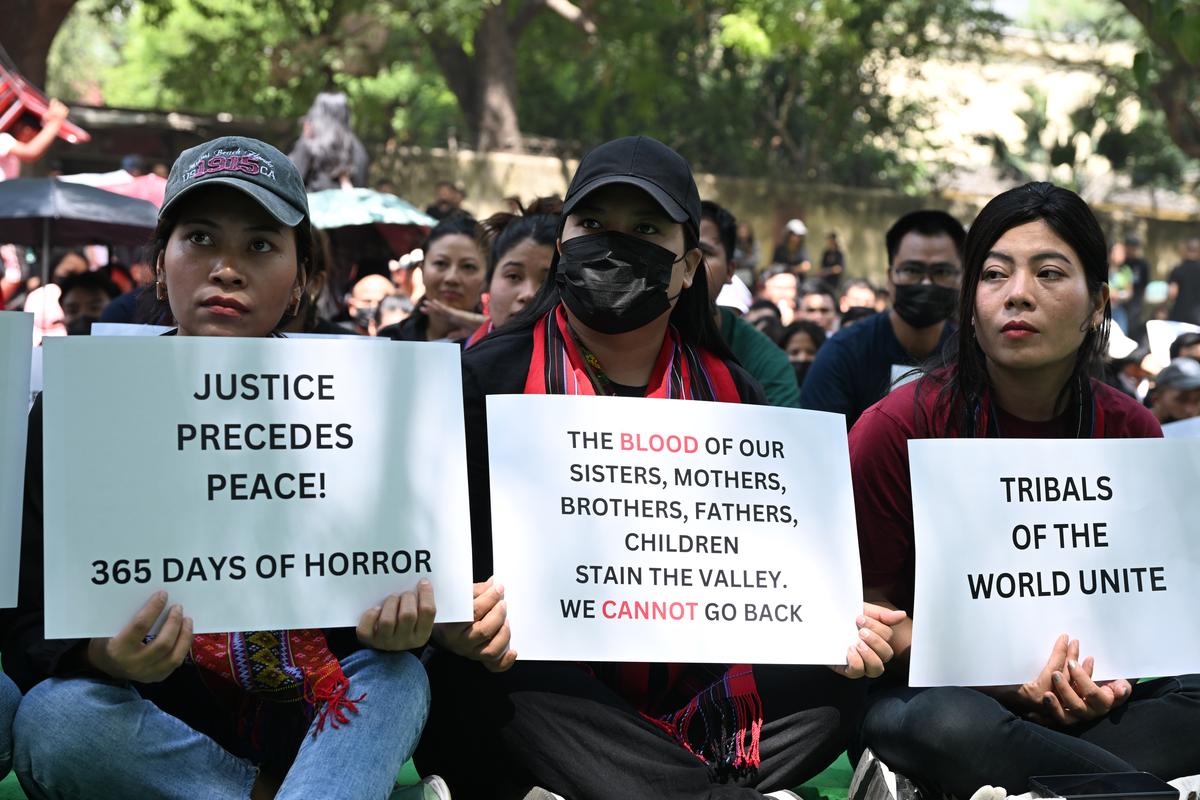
[721,717]
[279,667]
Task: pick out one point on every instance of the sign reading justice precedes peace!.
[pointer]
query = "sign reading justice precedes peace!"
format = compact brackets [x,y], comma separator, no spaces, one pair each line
[630,529]
[263,483]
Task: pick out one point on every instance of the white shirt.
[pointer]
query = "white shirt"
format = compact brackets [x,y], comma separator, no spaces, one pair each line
[10,165]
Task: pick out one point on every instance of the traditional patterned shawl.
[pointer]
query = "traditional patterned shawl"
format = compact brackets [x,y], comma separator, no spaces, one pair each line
[278,667]
[721,717]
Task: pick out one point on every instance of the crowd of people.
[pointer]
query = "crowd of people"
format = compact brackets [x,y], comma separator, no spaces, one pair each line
[629,285]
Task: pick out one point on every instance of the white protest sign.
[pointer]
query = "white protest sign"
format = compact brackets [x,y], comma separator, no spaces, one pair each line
[629,529]
[263,483]
[1019,541]
[35,374]
[1183,429]
[15,332]
[127,329]
[135,329]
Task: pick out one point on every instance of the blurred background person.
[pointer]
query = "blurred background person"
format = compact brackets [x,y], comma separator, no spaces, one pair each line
[328,154]
[792,251]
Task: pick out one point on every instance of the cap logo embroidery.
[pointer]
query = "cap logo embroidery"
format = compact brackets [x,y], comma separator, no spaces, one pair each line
[246,162]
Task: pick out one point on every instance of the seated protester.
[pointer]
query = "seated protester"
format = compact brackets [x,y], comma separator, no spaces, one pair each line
[780,287]
[1186,345]
[624,313]
[1176,392]
[858,293]
[1033,320]
[801,341]
[183,715]
[757,354]
[85,295]
[453,276]
[854,369]
[363,301]
[817,304]
[764,316]
[10,698]
[520,247]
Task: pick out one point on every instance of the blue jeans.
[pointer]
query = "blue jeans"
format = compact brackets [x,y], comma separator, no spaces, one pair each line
[957,739]
[10,698]
[85,737]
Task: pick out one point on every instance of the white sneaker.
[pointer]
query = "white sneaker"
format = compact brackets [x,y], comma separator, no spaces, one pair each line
[538,793]
[1188,786]
[784,794]
[430,788]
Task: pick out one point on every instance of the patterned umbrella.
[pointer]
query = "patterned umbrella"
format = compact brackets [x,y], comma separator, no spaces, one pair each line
[342,208]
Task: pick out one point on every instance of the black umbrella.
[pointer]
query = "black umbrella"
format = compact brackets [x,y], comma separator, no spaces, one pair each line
[40,211]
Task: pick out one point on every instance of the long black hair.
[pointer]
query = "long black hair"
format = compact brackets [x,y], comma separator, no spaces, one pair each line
[963,372]
[692,315]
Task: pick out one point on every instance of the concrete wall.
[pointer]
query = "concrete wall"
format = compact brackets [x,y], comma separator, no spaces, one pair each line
[860,216]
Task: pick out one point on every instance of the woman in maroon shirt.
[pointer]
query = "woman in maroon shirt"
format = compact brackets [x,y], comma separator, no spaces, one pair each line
[1033,324]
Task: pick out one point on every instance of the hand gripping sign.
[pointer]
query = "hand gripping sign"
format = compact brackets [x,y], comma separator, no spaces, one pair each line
[662,530]
[263,483]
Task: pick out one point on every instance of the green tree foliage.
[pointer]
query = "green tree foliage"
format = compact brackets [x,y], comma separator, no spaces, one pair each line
[270,58]
[793,87]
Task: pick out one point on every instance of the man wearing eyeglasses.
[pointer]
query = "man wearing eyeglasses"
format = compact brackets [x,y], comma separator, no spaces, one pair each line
[859,365]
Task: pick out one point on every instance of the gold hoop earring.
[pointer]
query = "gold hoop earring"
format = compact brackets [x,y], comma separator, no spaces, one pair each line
[160,291]
[294,307]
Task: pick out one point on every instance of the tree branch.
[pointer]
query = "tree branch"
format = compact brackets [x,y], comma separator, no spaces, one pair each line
[528,9]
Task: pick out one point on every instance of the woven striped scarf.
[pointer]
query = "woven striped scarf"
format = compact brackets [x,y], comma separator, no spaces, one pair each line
[721,717]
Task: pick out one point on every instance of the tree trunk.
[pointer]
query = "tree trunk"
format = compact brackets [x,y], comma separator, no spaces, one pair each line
[28,31]
[496,82]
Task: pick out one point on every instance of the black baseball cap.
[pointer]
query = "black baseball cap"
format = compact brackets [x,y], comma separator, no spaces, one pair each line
[248,165]
[647,164]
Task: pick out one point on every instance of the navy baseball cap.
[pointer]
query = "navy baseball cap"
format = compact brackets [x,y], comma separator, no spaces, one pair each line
[647,164]
[248,165]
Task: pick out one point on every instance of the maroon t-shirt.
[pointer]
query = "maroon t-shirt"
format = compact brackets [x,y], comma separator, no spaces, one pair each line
[879,464]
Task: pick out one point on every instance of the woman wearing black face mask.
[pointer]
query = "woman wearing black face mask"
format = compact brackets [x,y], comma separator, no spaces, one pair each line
[623,312]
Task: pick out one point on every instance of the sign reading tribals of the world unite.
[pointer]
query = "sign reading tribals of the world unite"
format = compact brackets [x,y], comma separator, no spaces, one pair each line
[16,333]
[1019,541]
[263,483]
[630,529]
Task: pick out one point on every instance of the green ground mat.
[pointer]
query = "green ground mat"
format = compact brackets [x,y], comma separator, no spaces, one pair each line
[829,785]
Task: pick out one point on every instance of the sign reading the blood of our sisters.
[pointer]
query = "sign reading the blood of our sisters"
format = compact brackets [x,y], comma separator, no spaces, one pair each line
[1019,541]
[630,529]
[16,332]
[263,483]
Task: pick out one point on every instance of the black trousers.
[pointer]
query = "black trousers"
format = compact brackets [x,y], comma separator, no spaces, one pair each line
[957,739]
[552,725]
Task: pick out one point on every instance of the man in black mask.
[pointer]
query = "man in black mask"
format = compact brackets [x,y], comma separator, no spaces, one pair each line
[859,365]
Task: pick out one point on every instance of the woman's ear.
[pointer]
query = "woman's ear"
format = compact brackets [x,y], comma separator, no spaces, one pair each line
[1101,301]
[692,260]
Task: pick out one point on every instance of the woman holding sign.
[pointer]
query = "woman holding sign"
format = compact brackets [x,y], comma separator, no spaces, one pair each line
[623,313]
[175,714]
[1033,325]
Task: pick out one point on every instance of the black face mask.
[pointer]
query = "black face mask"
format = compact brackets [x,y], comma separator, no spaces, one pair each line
[81,326]
[801,368]
[613,282]
[925,304]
